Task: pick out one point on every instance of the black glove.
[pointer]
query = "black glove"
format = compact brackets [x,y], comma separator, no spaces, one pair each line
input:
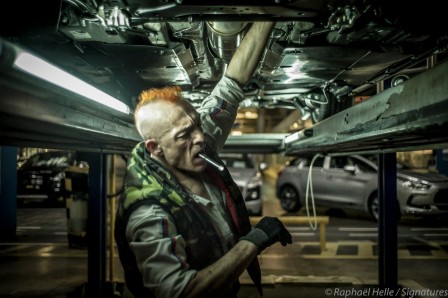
[268,231]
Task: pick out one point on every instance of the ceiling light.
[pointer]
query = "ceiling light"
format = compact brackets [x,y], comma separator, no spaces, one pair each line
[298,135]
[250,115]
[48,72]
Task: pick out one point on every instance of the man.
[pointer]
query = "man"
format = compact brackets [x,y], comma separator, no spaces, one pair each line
[182,228]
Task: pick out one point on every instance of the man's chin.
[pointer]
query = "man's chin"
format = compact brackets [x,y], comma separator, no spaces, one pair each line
[200,169]
[197,167]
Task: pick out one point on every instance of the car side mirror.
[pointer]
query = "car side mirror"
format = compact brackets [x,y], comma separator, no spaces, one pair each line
[263,166]
[350,169]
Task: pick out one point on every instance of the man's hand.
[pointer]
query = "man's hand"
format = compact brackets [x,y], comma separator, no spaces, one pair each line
[268,231]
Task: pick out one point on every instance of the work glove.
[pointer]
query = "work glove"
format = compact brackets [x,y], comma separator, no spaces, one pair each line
[268,231]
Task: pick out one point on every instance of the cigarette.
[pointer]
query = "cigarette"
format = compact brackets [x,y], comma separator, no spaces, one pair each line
[212,162]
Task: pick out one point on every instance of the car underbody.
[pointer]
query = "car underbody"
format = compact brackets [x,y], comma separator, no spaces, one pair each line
[321,56]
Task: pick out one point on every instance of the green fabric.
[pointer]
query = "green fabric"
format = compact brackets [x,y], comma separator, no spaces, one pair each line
[141,181]
[147,182]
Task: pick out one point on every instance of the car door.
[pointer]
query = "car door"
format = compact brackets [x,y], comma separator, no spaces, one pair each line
[347,182]
[317,179]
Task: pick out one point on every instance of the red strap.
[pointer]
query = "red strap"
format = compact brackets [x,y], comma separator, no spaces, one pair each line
[230,204]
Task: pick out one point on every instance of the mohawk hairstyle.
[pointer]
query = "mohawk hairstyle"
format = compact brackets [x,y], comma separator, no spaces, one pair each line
[167,94]
[170,94]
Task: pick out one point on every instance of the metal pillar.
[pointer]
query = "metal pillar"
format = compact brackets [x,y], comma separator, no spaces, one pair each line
[387,222]
[112,190]
[442,161]
[96,224]
[8,192]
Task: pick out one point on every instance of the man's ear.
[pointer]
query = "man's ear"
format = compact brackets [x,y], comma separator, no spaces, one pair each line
[153,147]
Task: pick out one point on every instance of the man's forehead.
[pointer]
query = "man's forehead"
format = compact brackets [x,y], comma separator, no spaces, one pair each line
[164,117]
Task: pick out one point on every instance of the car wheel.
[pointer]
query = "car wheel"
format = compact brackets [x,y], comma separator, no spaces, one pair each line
[374,207]
[289,199]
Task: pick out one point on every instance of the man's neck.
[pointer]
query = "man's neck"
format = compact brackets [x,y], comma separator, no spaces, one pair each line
[191,181]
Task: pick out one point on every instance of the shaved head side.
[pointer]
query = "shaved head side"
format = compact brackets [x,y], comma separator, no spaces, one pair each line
[152,107]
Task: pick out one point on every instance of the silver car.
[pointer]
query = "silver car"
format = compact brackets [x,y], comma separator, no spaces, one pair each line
[352,181]
[248,176]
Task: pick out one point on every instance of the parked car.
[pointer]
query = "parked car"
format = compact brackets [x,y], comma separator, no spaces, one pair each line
[248,176]
[351,182]
[42,176]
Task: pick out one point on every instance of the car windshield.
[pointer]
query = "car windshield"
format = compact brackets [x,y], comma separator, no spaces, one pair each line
[48,159]
[318,162]
[236,160]
[303,162]
[403,166]
[400,165]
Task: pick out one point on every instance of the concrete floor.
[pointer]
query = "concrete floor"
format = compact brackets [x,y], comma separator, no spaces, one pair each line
[40,266]
[44,267]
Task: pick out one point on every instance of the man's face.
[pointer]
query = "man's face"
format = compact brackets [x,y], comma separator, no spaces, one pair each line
[182,138]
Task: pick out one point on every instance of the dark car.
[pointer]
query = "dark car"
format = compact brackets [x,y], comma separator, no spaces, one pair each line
[42,176]
[320,56]
[352,182]
[248,176]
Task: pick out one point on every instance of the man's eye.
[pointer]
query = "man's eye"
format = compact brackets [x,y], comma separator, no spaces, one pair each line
[182,136]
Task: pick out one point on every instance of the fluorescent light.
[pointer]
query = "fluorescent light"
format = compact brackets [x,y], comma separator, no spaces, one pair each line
[251,115]
[48,72]
[298,135]
[292,137]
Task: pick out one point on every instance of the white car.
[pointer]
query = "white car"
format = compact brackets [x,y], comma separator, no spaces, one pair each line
[247,175]
[352,182]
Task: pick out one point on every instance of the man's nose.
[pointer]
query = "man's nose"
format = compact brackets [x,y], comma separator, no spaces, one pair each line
[198,136]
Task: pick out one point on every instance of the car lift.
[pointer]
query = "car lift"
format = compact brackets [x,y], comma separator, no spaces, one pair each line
[409,116]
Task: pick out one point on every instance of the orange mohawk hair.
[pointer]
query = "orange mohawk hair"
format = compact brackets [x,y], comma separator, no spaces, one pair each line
[171,94]
[167,94]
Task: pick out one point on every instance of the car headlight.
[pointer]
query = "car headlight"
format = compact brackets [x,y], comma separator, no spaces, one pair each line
[416,184]
[254,189]
[59,176]
[254,182]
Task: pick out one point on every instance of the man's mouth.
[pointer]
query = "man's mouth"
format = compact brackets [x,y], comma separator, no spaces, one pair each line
[197,154]
[211,161]
[197,159]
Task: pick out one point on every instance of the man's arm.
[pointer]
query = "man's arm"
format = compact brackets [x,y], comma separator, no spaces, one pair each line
[214,279]
[248,54]
[218,111]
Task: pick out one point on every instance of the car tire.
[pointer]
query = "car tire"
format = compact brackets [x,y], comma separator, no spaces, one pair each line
[374,207]
[289,199]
